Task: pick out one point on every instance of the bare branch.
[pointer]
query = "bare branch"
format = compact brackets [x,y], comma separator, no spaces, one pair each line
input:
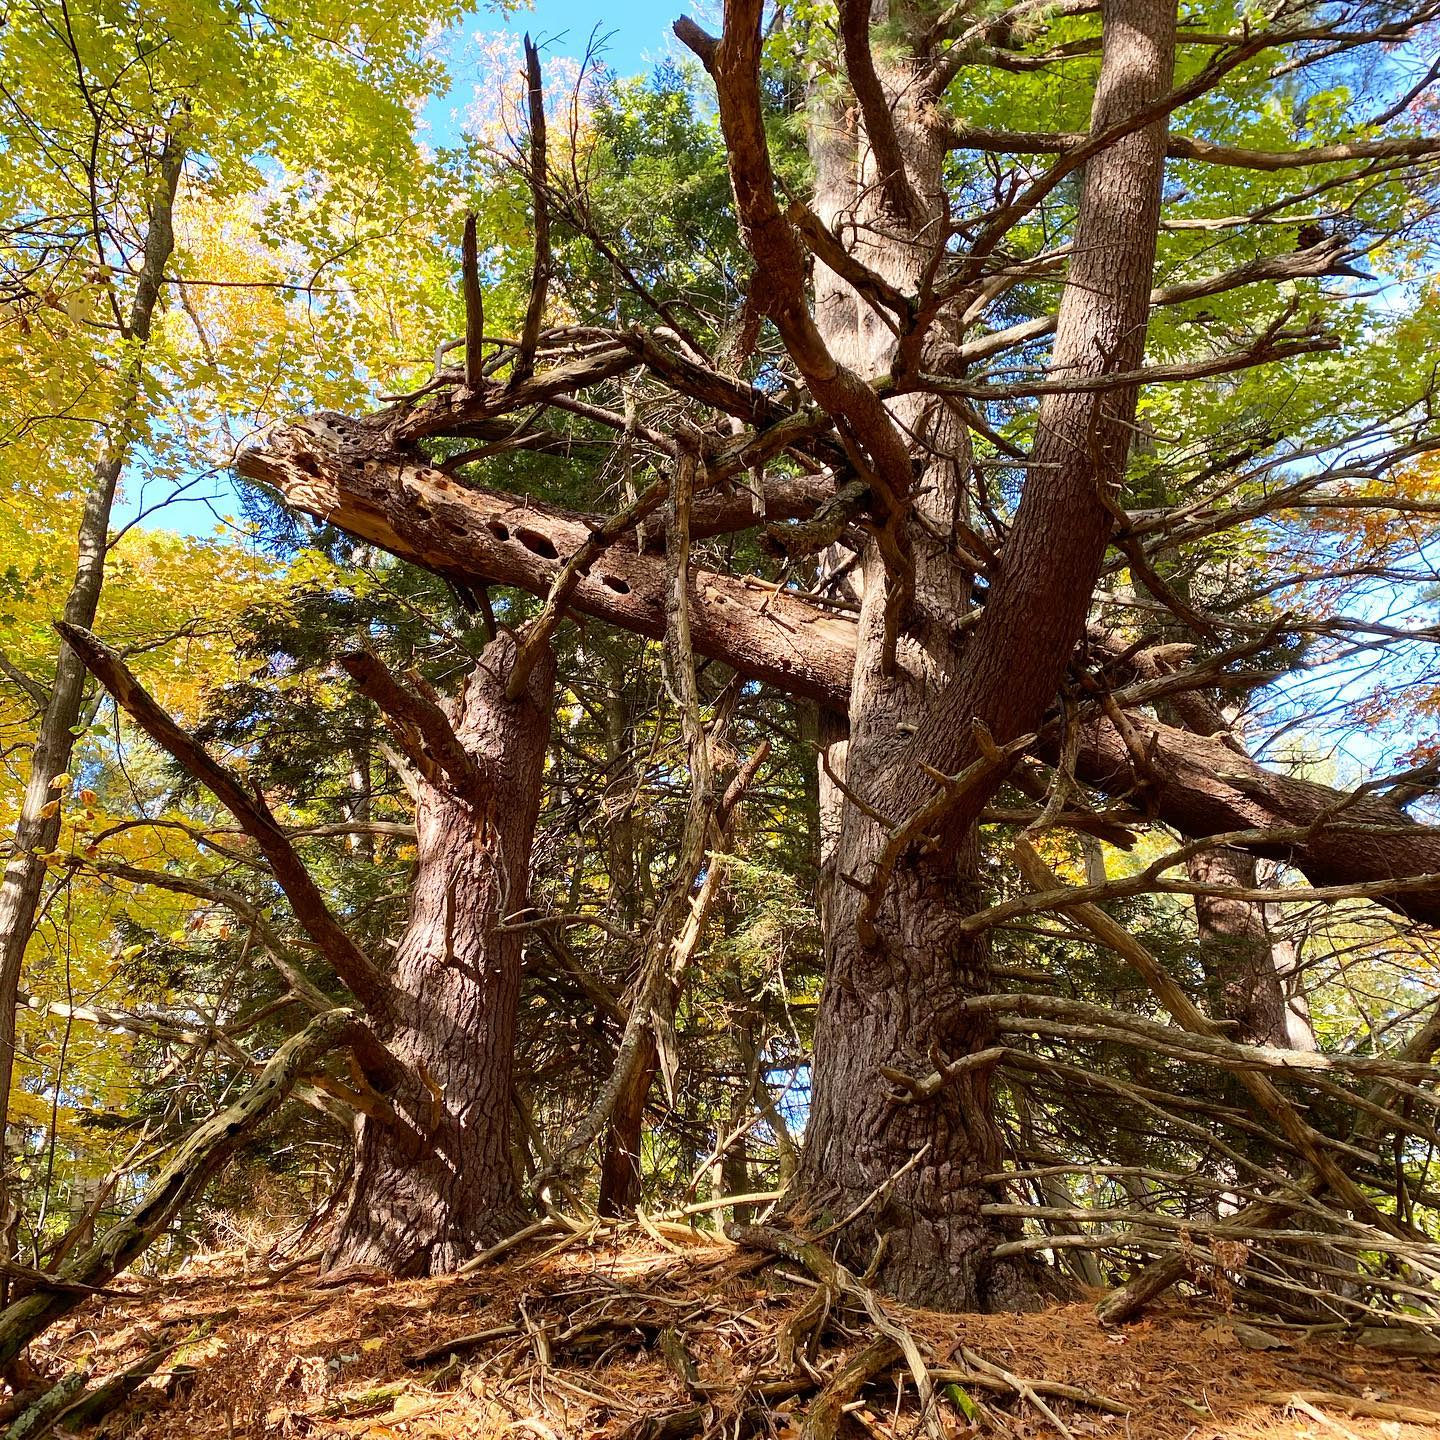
[421,728]
[474,307]
[1187,147]
[540,280]
[367,983]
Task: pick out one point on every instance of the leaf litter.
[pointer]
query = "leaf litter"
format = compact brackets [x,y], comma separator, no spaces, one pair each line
[619,1333]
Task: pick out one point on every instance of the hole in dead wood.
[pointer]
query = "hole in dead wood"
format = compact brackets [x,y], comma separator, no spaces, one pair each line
[538,544]
[615,583]
[499,531]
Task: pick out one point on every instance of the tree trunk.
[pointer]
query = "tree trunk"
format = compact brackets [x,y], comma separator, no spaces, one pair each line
[339,472]
[620,1159]
[1238,951]
[620,1156]
[35,830]
[1239,956]
[895,980]
[457,977]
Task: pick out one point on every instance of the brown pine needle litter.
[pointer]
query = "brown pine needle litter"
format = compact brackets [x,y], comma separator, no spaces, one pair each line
[617,1332]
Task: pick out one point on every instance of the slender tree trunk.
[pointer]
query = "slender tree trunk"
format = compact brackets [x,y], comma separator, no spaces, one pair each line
[620,1173]
[361,805]
[620,785]
[620,1155]
[35,830]
[675,934]
[457,982]
[1299,1030]
[1240,958]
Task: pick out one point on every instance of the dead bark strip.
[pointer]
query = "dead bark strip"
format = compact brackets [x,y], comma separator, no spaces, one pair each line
[180,1183]
[540,277]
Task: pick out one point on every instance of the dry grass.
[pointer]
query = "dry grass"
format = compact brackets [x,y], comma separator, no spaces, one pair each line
[597,1339]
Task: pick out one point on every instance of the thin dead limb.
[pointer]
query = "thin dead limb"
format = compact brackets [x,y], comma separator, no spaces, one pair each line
[540,277]
[365,980]
[474,307]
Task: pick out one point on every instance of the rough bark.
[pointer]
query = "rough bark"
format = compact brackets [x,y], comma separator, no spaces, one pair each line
[35,831]
[620,1174]
[456,980]
[893,1000]
[329,466]
[1197,784]
[889,995]
[1200,786]
[1238,954]
[1237,949]
[433,1178]
[924,693]
[898,972]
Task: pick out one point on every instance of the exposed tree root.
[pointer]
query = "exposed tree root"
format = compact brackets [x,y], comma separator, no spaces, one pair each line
[616,1337]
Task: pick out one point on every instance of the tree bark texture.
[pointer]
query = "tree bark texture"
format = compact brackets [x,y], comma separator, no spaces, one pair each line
[893,1001]
[1238,950]
[897,974]
[327,467]
[456,979]
[922,693]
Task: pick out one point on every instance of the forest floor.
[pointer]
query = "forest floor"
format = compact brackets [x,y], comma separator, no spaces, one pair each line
[647,1336]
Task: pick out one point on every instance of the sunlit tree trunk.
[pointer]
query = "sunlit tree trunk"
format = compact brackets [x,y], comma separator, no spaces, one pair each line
[38,825]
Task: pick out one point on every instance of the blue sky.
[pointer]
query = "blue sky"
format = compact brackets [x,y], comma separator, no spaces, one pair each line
[638,31]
